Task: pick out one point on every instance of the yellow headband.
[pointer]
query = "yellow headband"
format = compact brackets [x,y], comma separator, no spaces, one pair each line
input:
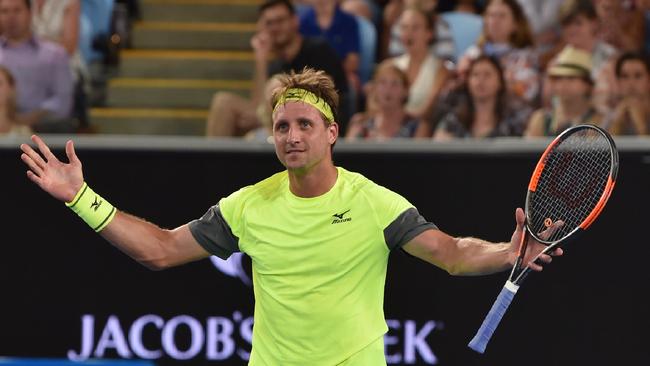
[305,96]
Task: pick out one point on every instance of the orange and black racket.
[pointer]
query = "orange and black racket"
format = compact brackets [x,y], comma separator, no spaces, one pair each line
[571,184]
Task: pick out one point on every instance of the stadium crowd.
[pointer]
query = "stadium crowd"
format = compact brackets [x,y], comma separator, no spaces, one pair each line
[403,68]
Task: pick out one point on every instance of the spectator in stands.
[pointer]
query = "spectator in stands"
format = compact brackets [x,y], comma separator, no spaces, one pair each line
[41,68]
[507,36]
[580,24]
[580,29]
[442,43]
[621,24]
[278,47]
[387,117]
[264,113]
[58,21]
[8,123]
[326,19]
[483,107]
[544,22]
[632,114]
[426,73]
[571,87]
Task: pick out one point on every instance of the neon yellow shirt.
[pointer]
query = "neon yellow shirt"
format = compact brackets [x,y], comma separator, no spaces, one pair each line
[319,264]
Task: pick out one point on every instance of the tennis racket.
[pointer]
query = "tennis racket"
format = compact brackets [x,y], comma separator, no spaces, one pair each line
[571,183]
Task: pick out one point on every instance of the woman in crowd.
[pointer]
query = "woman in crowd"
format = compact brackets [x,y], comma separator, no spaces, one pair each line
[391,44]
[571,87]
[507,36]
[386,117]
[483,107]
[425,72]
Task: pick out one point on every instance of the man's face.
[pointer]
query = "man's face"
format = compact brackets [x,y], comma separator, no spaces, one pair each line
[569,88]
[15,19]
[281,26]
[302,138]
[634,80]
[580,32]
[499,22]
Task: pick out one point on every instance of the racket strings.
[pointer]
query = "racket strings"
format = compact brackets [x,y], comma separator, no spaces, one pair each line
[571,183]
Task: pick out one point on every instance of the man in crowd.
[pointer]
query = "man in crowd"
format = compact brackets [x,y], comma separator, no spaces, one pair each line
[44,82]
[278,47]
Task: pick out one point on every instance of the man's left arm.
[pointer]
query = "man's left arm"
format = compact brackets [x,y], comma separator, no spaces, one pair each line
[460,256]
[472,256]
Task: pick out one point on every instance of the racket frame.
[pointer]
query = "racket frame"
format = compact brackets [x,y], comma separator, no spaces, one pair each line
[518,274]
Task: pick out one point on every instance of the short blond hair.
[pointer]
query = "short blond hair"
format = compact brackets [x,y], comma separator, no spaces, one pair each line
[313,81]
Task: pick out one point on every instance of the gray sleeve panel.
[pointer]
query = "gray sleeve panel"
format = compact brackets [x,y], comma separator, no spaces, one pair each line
[405,227]
[213,233]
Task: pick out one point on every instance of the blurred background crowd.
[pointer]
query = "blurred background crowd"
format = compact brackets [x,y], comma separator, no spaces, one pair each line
[423,69]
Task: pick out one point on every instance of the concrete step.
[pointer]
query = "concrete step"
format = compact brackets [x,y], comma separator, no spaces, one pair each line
[153,121]
[177,64]
[171,93]
[200,10]
[183,52]
[193,35]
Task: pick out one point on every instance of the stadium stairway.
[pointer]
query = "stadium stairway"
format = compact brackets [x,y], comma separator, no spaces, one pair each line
[182,52]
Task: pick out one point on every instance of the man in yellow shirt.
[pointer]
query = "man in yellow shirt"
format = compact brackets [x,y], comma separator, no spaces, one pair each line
[318,235]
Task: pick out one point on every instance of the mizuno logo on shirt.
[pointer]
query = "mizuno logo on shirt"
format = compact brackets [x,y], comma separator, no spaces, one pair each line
[339,218]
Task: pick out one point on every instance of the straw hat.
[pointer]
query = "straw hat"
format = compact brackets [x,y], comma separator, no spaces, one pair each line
[572,62]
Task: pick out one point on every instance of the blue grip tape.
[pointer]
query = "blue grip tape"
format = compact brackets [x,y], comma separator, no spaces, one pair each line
[492,320]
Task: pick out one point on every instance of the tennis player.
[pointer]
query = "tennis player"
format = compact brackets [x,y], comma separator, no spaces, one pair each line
[319,236]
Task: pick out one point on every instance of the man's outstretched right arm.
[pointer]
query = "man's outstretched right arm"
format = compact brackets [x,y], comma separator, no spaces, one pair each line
[145,242]
[150,245]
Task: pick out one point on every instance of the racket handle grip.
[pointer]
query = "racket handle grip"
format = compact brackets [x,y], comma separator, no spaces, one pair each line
[493,318]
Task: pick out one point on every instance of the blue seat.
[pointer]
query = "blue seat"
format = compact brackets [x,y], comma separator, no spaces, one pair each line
[465,29]
[95,21]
